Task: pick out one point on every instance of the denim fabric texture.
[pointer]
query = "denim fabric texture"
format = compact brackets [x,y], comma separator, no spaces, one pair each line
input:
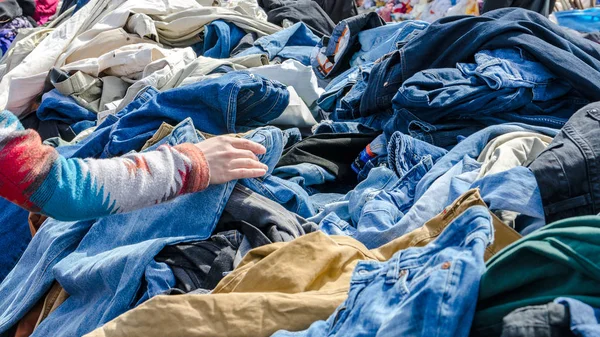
[337,88]
[56,106]
[567,170]
[183,132]
[312,179]
[441,46]
[347,106]
[371,210]
[332,54]
[585,320]
[329,126]
[375,154]
[238,102]
[501,82]
[472,147]
[307,175]
[545,320]
[286,193]
[104,277]
[14,235]
[220,38]
[295,42]
[421,181]
[513,68]
[377,42]
[425,291]
[446,134]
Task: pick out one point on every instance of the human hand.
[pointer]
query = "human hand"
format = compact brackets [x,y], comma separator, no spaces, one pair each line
[232,158]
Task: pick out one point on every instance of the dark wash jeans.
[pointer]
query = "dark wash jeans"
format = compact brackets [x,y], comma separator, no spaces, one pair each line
[457,39]
[14,235]
[568,171]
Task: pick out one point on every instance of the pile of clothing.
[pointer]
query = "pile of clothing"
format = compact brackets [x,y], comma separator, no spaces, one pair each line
[425,179]
[426,10]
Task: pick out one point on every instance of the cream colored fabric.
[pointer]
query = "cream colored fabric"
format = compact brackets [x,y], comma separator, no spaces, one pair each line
[103,43]
[295,114]
[182,29]
[23,45]
[177,23]
[182,68]
[511,150]
[295,74]
[127,61]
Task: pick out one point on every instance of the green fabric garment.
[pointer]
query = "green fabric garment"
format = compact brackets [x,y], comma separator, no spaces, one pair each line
[561,259]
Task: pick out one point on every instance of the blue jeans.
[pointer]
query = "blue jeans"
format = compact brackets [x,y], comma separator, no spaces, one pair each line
[456,172]
[341,100]
[107,266]
[426,291]
[14,235]
[329,126]
[295,42]
[472,147]
[445,134]
[442,46]
[375,154]
[220,38]
[376,42]
[585,320]
[56,106]
[513,68]
[183,132]
[373,208]
[286,193]
[347,106]
[307,175]
[332,54]
[234,102]
[502,82]
[384,207]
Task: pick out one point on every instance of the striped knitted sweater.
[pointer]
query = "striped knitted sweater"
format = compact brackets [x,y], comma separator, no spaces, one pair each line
[35,177]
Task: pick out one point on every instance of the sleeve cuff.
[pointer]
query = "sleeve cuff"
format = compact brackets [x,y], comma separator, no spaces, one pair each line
[198,175]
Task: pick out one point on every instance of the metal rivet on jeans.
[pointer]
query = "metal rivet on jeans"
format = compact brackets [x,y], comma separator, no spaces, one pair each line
[446,265]
[403,272]
[385,84]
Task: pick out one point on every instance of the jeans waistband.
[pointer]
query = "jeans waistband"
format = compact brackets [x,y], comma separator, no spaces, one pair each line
[473,223]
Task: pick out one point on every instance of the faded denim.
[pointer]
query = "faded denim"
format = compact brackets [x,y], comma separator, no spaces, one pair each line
[295,42]
[425,291]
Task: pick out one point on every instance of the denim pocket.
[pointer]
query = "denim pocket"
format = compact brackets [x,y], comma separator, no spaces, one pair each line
[244,96]
[364,273]
[415,275]
[393,72]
